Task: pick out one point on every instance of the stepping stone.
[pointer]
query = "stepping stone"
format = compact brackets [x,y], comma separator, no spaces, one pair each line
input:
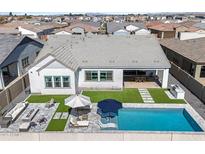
[148,101]
[64,115]
[147,98]
[57,115]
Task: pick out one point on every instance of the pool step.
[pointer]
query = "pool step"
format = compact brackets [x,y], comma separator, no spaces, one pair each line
[147,98]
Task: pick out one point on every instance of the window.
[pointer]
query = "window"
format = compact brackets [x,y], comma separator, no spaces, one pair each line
[202,74]
[66,81]
[25,62]
[91,75]
[106,75]
[57,81]
[48,82]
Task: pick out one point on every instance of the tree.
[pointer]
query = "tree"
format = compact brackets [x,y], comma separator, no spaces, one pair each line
[10,14]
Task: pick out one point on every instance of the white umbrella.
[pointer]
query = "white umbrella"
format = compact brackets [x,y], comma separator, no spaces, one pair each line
[76,101]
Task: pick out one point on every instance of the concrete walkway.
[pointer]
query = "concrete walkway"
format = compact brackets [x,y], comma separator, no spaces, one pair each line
[147,98]
[198,105]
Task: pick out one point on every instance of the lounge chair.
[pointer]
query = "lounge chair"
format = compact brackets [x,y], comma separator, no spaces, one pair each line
[50,103]
[107,125]
[75,123]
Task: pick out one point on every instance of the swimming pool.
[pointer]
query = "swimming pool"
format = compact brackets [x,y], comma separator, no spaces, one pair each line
[147,119]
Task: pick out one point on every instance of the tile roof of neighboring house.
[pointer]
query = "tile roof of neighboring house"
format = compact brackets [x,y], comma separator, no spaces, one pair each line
[87,26]
[11,47]
[99,51]
[113,26]
[164,27]
[152,23]
[193,49]
[200,25]
[5,30]
[41,27]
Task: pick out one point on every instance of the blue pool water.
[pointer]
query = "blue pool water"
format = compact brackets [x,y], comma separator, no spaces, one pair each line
[156,120]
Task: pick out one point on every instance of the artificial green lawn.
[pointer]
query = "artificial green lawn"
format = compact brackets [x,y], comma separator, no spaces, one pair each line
[160,96]
[45,98]
[54,124]
[127,95]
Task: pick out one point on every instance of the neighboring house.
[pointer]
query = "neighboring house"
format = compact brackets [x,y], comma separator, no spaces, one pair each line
[68,64]
[16,54]
[189,55]
[163,30]
[8,31]
[200,25]
[38,31]
[80,28]
[126,28]
[172,30]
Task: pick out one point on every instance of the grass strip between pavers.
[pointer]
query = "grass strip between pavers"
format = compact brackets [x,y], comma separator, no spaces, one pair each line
[160,96]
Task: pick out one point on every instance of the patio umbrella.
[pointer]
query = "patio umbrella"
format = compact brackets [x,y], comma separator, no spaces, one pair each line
[77,101]
[109,107]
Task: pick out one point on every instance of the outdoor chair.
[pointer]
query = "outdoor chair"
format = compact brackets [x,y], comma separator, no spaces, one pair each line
[42,120]
[75,123]
[50,103]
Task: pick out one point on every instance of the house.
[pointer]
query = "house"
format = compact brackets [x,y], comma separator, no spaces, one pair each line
[126,28]
[188,55]
[67,64]
[171,30]
[16,54]
[79,28]
[38,31]
[163,30]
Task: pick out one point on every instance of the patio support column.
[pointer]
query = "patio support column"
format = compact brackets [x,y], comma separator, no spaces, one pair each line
[165,78]
[1,80]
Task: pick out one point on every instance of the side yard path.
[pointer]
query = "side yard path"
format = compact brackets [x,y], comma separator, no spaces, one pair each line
[60,117]
[196,103]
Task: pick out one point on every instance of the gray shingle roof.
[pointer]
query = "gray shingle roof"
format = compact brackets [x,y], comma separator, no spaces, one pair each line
[7,44]
[113,26]
[106,51]
[199,25]
[12,46]
[193,49]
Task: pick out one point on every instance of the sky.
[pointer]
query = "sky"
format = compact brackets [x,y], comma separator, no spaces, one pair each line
[107,6]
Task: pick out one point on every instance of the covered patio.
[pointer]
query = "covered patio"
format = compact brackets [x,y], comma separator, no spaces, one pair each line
[140,78]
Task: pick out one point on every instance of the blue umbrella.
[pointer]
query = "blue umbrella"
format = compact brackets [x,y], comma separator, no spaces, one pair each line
[109,107]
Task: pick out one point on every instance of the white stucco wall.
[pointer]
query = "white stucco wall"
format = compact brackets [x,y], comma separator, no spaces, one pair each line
[37,78]
[63,33]
[27,32]
[191,35]
[117,82]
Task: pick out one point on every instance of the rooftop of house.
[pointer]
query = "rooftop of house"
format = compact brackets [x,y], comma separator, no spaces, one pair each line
[164,27]
[114,26]
[87,26]
[39,28]
[193,49]
[5,30]
[200,25]
[7,44]
[106,52]
[11,47]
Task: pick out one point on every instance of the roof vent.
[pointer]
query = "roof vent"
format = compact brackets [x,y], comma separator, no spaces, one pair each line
[84,61]
[156,61]
[134,61]
[111,61]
